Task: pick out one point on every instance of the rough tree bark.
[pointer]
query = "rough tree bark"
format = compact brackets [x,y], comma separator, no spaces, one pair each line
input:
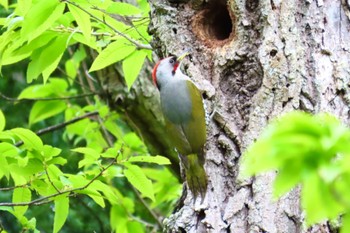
[253,60]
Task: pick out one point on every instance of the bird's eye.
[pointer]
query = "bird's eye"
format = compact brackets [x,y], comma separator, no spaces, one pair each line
[172,61]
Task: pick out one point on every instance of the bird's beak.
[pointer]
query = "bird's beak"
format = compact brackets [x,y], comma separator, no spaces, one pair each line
[182,56]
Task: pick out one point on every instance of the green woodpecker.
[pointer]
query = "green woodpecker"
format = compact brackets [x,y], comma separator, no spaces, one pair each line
[183,110]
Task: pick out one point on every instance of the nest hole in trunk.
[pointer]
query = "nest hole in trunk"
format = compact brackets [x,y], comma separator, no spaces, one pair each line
[215,24]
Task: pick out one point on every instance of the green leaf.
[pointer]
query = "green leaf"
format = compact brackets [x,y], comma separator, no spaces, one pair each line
[118,219]
[134,226]
[138,179]
[61,212]
[2,121]
[6,208]
[30,139]
[71,68]
[21,195]
[112,127]
[97,197]
[114,52]
[31,224]
[82,19]
[122,8]
[57,161]
[17,54]
[40,17]
[287,178]
[132,66]
[26,169]
[23,7]
[4,3]
[7,149]
[49,151]
[150,159]
[4,166]
[51,68]
[93,154]
[54,172]
[318,201]
[345,228]
[44,109]
[82,39]
[111,153]
[46,56]
[55,86]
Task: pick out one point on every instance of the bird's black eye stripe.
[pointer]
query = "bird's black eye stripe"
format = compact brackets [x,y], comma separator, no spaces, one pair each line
[173,60]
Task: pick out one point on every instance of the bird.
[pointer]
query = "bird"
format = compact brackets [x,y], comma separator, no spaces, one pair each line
[184,113]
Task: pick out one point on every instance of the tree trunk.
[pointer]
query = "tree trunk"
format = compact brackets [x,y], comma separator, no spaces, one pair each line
[253,60]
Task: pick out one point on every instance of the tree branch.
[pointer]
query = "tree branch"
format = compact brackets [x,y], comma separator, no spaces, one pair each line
[61,125]
[48,177]
[49,98]
[12,188]
[46,199]
[136,43]
[154,215]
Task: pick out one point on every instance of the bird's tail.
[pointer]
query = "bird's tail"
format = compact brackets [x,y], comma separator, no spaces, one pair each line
[196,177]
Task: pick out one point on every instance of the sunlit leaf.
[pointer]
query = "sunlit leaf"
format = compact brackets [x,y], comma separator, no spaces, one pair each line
[122,8]
[134,226]
[52,88]
[318,202]
[132,66]
[23,6]
[70,68]
[44,109]
[50,151]
[61,212]
[40,17]
[4,166]
[2,121]
[29,138]
[44,57]
[138,179]
[150,159]
[88,151]
[287,178]
[51,68]
[82,19]
[345,228]
[113,53]
[21,195]
[4,3]
[118,219]
[7,149]
[11,56]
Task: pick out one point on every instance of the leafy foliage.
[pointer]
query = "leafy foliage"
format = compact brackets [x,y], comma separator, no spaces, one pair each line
[312,151]
[64,156]
[42,31]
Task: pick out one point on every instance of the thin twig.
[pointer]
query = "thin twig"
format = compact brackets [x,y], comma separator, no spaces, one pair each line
[126,21]
[14,187]
[46,199]
[136,43]
[48,177]
[71,30]
[143,222]
[49,98]
[61,125]
[105,133]
[154,215]
[95,214]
